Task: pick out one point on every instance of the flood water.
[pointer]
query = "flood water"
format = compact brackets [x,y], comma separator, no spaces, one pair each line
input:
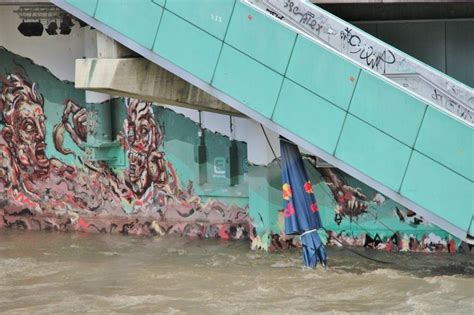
[47,273]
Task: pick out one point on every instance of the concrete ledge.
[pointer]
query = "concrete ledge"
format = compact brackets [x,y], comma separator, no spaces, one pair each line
[142,79]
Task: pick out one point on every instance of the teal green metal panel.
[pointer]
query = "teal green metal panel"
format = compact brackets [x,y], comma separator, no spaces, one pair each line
[248,81]
[387,108]
[444,192]
[322,72]
[309,116]
[187,46]
[87,6]
[448,142]
[211,15]
[373,152]
[136,19]
[260,37]
[159,2]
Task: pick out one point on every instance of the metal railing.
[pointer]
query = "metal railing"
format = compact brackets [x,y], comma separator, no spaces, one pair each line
[422,81]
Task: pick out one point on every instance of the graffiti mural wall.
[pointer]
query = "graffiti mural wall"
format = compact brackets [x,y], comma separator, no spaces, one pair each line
[49,182]
[354,214]
[157,172]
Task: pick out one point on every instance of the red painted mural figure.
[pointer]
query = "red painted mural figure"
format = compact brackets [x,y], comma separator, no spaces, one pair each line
[32,180]
[153,184]
[41,192]
[350,202]
[23,159]
[142,139]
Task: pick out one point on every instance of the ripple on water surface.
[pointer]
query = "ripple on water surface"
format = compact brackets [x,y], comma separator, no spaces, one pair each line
[59,272]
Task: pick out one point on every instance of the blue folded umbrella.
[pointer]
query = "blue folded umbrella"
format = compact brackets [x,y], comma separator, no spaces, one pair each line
[301,209]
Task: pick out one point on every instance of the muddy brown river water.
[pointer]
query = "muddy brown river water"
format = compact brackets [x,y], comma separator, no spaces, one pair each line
[48,273]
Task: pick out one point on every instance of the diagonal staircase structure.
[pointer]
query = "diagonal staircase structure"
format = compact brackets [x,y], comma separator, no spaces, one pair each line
[378,114]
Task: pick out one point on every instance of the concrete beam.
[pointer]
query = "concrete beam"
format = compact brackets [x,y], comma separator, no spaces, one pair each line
[142,79]
[109,48]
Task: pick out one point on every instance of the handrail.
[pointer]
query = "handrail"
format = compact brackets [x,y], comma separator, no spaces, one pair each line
[422,81]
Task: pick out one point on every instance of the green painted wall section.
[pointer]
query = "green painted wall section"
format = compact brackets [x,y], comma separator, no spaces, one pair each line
[257,54]
[265,200]
[181,139]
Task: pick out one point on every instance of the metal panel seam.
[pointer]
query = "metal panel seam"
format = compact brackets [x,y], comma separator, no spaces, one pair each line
[413,149]
[159,24]
[222,44]
[284,78]
[347,112]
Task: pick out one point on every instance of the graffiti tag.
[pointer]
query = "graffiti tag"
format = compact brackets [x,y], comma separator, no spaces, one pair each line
[372,57]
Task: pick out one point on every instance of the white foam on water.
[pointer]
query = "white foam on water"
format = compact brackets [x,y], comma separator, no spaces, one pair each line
[109,274]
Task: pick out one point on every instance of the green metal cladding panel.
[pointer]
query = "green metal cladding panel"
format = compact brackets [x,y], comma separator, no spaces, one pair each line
[187,46]
[260,37]
[248,81]
[444,192]
[373,152]
[447,141]
[159,2]
[136,19]
[387,108]
[88,6]
[322,72]
[211,15]
[309,116]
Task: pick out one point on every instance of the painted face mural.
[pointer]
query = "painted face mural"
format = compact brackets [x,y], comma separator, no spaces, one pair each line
[31,177]
[42,192]
[143,137]
[24,129]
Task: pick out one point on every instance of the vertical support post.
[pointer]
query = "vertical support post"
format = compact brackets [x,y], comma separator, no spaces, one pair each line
[202,154]
[233,166]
